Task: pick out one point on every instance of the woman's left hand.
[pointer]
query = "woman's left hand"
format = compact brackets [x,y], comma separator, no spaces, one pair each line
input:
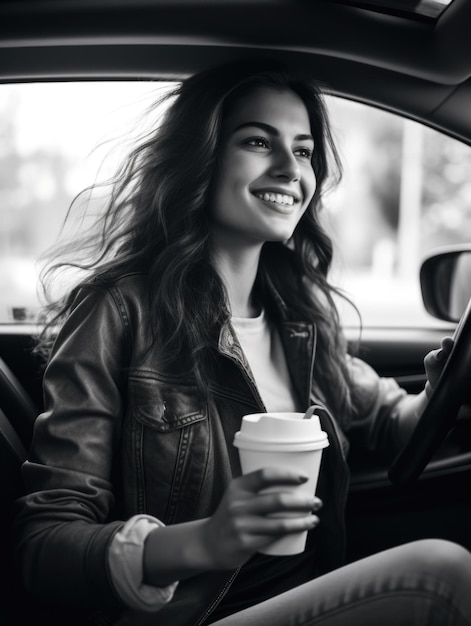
[434,362]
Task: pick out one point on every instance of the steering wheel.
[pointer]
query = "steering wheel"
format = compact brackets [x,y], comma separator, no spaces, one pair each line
[452,390]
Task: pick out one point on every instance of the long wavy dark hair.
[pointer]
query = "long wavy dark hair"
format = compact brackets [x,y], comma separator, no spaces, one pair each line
[156,221]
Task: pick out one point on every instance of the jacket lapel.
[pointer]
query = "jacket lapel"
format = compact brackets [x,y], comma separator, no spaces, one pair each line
[299,343]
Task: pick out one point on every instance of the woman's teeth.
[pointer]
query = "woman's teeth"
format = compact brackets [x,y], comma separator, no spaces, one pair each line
[278,198]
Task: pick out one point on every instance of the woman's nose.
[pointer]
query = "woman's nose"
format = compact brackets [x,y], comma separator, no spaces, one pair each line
[285,165]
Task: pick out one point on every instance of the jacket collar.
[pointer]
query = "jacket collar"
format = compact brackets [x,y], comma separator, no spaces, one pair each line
[299,341]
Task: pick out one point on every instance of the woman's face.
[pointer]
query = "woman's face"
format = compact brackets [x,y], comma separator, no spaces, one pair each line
[265,179]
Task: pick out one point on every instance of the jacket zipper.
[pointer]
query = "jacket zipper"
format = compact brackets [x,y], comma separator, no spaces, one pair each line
[261,405]
[218,598]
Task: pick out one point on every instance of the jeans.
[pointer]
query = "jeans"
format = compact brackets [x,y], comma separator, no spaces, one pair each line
[427,582]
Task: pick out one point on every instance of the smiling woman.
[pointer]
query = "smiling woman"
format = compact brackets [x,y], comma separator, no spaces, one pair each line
[134,501]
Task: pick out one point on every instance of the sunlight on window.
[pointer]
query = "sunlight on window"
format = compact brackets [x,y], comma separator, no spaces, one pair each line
[57,138]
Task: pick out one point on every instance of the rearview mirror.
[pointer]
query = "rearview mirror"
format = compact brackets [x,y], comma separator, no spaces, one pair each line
[445,279]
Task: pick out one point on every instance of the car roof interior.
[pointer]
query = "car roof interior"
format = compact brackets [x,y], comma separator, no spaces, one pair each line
[385,53]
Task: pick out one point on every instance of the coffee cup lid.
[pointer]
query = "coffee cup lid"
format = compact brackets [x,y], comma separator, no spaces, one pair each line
[280,431]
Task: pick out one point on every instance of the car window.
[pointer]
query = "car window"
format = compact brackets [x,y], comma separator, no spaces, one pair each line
[405,190]
[56,139]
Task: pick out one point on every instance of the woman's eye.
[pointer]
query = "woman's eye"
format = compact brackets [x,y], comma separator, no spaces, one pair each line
[257,142]
[305,153]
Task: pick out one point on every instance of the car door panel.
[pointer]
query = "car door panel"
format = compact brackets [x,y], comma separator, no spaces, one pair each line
[381,515]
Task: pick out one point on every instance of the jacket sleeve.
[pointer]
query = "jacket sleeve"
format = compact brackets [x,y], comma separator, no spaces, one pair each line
[383,414]
[66,520]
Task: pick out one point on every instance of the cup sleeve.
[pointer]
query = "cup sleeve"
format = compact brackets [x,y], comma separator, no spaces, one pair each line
[125,560]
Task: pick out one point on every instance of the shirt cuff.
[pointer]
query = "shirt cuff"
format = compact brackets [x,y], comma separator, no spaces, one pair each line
[125,560]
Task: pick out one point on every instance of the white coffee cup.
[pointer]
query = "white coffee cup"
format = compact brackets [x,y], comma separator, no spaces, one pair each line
[283,440]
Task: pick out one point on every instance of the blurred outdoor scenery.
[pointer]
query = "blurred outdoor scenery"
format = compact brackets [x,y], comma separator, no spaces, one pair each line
[406,190]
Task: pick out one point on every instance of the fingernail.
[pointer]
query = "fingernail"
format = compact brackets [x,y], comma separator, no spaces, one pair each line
[440,354]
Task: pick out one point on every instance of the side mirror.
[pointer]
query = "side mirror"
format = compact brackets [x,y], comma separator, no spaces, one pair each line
[445,279]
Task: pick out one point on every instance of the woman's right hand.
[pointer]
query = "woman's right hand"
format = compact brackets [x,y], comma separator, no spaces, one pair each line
[243,522]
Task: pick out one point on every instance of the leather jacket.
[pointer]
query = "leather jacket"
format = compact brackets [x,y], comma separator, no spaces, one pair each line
[121,434]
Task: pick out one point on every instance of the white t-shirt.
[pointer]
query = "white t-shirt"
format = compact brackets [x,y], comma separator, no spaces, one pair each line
[263,349]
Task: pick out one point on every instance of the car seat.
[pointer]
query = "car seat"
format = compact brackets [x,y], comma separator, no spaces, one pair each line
[17,404]
[12,455]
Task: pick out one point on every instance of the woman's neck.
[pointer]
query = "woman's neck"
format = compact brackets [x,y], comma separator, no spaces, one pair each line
[238,270]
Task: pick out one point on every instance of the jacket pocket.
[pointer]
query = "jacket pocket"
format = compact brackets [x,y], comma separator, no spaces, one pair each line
[163,405]
[166,445]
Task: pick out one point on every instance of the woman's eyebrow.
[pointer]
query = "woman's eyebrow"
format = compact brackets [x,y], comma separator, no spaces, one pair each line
[272,130]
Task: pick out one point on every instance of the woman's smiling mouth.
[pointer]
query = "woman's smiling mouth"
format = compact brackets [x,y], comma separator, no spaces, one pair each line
[281,202]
